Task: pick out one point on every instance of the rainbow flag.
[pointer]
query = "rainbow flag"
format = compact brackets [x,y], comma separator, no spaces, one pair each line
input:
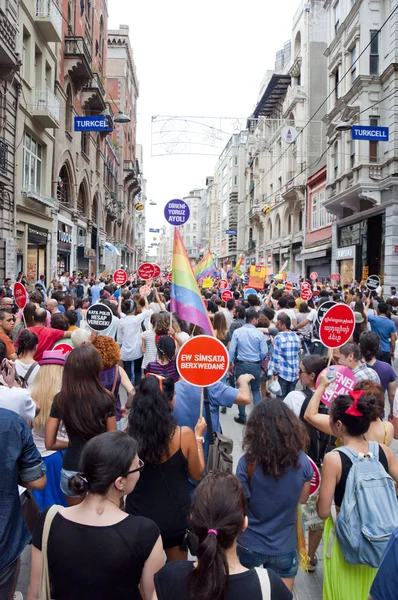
[186,300]
[206,267]
[238,264]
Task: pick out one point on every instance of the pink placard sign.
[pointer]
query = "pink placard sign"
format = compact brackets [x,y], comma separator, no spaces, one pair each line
[345,382]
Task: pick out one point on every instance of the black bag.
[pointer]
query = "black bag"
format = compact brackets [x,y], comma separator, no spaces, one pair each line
[320,442]
[220,446]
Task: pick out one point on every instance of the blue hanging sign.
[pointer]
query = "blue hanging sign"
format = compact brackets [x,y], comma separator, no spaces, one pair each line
[99,123]
[151,230]
[232,232]
[370,134]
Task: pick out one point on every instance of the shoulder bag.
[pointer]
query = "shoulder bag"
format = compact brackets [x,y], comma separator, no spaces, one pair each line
[45,588]
[262,574]
[220,446]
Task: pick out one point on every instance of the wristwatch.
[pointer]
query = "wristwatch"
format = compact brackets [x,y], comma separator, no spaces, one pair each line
[200,439]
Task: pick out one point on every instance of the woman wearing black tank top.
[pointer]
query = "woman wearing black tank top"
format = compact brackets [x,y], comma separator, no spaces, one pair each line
[350,418]
[170,454]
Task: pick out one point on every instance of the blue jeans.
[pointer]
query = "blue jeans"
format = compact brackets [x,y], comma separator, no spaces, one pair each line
[284,565]
[253,369]
[286,387]
[133,367]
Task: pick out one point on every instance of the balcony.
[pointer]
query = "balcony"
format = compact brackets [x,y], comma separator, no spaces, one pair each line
[31,192]
[294,94]
[9,59]
[295,185]
[255,213]
[93,94]
[251,245]
[3,156]
[48,19]
[45,108]
[77,61]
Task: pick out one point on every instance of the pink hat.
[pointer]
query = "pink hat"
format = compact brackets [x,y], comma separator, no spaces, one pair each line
[53,357]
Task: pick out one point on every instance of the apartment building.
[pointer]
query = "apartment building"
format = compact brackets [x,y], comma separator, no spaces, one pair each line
[191,231]
[282,149]
[361,186]
[10,62]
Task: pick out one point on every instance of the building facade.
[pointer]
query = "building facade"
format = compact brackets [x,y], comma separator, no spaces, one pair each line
[191,231]
[361,187]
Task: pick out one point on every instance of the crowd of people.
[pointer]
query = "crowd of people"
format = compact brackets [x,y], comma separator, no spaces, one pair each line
[103,450]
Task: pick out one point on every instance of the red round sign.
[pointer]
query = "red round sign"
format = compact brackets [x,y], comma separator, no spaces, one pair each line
[145,290]
[20,295]
[65,348]
[335,276]
[305,285]
[147,271]
[227,295]
[157,271]
[306,294]
[222,284]
[202,360]
[288,287]
[316,477]
[169,277]
[120,277]
[314,275]
[337,326]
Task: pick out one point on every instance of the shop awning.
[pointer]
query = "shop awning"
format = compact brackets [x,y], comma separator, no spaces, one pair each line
[315,252]
[112,248]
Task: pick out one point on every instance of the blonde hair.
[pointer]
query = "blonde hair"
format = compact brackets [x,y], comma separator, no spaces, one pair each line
[47,383]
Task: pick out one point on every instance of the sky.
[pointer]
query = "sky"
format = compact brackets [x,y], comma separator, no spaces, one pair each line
[195,60]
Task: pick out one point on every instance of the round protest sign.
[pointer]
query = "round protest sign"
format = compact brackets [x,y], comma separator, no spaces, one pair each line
[335,276]
[99,317]
[64,347]
[345,382]
[227,295]
[337,326]
[202,360]
[314,275]
[145,290]
[157,271]
[321,312]
[316,478]
[222,284]
[120,277]
[20,295]
[305,285]
[147,271]
[176,212]
[306,294]
[248,291]
[288,287]
[372,282]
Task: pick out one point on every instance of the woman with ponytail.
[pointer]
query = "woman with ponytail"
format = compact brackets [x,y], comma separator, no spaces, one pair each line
[218,516]
[95,550]
[350,419]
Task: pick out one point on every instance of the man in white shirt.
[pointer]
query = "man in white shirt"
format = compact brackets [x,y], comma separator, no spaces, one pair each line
[283,308]
[229,312]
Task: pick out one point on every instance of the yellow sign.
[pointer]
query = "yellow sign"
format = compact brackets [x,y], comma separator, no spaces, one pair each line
[257,277]
[207,283]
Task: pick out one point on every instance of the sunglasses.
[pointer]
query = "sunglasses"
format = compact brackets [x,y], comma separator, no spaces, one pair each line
[160,379]
[301,372]
[139,469]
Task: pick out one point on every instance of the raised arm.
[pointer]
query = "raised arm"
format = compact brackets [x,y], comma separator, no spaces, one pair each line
[312,415]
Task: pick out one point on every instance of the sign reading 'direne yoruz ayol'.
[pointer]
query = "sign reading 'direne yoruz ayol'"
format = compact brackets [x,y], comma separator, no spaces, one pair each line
[368,133]
[99,123]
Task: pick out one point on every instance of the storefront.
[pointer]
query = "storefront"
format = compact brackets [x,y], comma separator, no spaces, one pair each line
[64,248]
[360,250]
[86,259]
[38,238]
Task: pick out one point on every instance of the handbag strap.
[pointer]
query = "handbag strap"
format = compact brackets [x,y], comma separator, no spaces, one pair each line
[210,432]
[263,576]
[45,590]
[115,379]
[30,371]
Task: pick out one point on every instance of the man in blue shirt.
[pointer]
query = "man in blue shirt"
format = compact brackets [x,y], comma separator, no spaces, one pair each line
[284,362]
[247,351]
[187,404]
[20,462]
[95,291]
[385,584]
[385,329]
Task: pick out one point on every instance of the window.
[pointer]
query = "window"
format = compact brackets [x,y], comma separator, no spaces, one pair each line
[314,211]
[69,109]
[336,16]
[336,84]
[373,146]
[187,227]
[230,182]
[353,63]
[193,226]
[374,53]
[25,55]
[352,153]
[236,161]
[329,218]
[321,208]
[38,67]
[250,234]
[224,189]
[224,210]
[235,180]
[224,171]
[84,142]
[230,162]
[32,162]
[336,159]
[194,239]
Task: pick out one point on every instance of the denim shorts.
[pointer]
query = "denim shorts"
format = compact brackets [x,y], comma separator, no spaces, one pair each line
[64,485]
[284,565]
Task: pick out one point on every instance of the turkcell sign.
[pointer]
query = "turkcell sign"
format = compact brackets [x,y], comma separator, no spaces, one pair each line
[92,124]
[370,134]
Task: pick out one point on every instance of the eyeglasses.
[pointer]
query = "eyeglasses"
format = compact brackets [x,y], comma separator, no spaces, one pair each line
[140,468]
[301,372]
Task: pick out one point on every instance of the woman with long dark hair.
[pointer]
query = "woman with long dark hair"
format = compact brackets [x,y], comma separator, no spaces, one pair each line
[350,419]
[218,516]
[86,409]
[170,454]
[94,549]
[276,474]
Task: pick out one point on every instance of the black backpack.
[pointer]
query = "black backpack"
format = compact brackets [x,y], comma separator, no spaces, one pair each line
[320,443]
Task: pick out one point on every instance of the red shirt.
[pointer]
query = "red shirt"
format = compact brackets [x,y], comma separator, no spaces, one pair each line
[47,338]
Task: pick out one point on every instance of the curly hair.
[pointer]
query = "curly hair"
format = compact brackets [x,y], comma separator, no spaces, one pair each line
[274,437]
[109,350]
[150,421]
[371,388]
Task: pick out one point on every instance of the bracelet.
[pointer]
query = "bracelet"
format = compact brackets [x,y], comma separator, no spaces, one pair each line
[201,440]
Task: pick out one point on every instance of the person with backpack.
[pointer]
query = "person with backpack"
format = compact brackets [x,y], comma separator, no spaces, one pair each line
[25,366]
[358,476]
[319,443]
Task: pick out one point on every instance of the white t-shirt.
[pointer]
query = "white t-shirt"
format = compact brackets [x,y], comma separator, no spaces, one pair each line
[129,335]
[288,311]
[294,401]
[228,316]
[151,352]
[21,370]
[19,401]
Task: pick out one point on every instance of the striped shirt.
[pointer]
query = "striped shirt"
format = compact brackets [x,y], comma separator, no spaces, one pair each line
[169,370]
